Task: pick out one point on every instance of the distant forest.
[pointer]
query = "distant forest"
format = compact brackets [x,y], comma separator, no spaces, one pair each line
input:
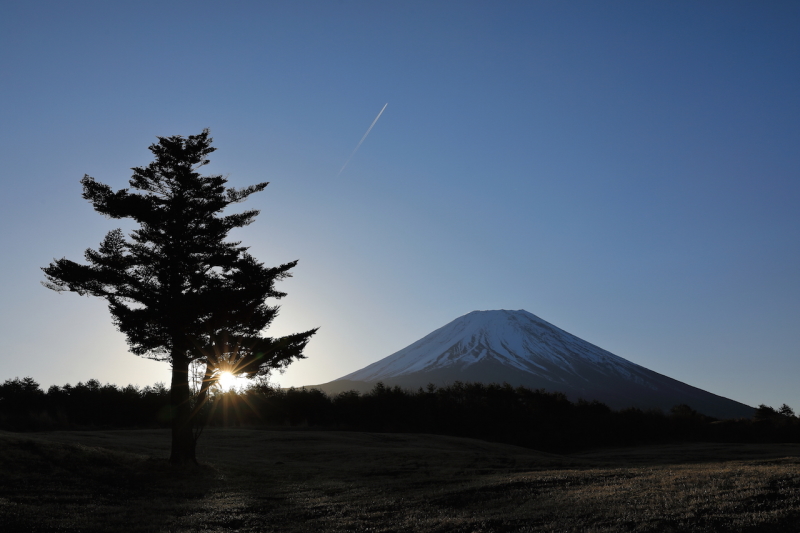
[536,419]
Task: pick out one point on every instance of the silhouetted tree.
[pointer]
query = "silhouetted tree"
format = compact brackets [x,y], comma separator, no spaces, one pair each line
[523,417]
[765,413]
[20,399]
[176,287]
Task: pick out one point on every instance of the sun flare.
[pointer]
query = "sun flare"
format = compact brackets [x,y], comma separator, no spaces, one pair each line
[227,381]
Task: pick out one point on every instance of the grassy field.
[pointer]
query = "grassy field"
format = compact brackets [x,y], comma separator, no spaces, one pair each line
[254,480]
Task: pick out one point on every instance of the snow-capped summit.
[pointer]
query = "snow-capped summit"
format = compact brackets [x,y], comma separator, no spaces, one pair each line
[517,339]
[519,348]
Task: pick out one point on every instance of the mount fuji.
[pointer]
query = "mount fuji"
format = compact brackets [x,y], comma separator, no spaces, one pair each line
[521,349]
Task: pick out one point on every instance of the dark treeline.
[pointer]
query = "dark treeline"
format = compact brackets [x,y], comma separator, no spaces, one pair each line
[501,413]
[26,407]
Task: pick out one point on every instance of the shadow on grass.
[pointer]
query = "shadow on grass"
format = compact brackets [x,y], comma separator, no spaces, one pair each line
[52,486]
[297,481]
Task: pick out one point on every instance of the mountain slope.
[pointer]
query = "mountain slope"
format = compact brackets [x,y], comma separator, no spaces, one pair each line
[521,349]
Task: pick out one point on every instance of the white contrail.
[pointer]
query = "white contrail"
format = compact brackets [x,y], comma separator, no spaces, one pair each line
[362,139]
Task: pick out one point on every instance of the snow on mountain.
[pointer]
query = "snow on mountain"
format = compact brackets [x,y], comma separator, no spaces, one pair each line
[517,339]
[521,349]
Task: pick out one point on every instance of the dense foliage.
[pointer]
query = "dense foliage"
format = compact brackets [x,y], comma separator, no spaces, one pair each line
[25,406]
[500,413]
[179,290]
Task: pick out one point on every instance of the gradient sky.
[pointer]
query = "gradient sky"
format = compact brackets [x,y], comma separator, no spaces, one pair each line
[628,171]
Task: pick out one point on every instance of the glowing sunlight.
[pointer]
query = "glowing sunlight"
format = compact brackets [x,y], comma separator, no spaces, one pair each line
[228,381]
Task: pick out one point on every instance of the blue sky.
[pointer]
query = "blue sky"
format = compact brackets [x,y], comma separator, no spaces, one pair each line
[627,171]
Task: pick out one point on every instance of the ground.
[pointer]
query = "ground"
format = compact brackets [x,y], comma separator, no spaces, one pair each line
[282,480]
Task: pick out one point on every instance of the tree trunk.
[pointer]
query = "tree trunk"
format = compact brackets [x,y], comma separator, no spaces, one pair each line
[183,443]
[200,414]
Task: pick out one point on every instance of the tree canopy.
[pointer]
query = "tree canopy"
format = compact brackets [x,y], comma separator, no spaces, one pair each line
[176,287]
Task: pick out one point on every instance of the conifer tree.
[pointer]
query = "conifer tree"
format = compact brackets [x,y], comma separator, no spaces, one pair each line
[176,288]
